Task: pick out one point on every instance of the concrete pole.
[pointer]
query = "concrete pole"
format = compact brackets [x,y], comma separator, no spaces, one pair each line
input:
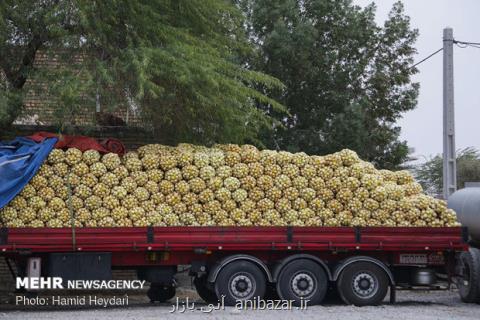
[449,159]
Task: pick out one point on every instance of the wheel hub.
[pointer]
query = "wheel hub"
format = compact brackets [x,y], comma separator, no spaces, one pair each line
[242,286]
[364,285]
[303,284]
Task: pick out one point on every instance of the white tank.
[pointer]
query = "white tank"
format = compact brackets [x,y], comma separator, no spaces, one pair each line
[466,203]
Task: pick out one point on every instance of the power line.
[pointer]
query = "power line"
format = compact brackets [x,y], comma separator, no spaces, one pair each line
[460,44]
[425,59]
[464,44]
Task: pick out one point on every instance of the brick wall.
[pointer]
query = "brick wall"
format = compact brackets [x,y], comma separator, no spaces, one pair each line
[40,108]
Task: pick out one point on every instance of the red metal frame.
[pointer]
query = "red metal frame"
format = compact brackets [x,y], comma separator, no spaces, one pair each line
[136,239]
[152,247]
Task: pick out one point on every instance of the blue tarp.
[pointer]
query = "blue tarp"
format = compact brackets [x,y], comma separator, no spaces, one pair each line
[20,159]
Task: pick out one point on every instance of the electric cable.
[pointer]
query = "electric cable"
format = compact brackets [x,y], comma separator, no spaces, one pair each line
[465,44]
[426,58]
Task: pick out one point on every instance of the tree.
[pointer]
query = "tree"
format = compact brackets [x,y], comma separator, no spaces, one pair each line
[180,63]
[430,173]
[347,79]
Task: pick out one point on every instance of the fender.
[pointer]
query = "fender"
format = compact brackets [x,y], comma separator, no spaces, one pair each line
[339,268]
[278,268]
[212,275]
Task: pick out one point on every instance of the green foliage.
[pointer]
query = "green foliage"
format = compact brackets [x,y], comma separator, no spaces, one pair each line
[430,173]
[207,71]
[178,63]
[347,79]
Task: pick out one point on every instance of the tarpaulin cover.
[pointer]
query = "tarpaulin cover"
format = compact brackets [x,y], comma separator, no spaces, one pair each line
[20,159]
[82,143]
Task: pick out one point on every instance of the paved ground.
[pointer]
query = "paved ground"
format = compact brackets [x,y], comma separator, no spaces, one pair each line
[410,306]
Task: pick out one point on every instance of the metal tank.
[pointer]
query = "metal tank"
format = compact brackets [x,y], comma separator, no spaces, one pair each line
[466,203]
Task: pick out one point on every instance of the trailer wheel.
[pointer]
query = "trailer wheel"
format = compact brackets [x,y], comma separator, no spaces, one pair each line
[469,283]
[362,284]
[160,293]
[208,295]
[240,281]
[302,280]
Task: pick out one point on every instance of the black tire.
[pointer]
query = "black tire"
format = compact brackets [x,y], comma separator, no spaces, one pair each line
[363,284]
[240,281]
[469,284]
[302,279]
[208,295]
[160,293]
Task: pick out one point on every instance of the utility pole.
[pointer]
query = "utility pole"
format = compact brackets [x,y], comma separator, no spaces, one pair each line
[449,158]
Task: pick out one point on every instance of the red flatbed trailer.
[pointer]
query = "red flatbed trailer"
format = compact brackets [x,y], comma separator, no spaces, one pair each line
[362,262]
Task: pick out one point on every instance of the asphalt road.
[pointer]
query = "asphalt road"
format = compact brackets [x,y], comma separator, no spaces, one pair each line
[410,306]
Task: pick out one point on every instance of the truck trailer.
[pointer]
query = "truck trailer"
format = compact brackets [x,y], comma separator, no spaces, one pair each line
[242,263]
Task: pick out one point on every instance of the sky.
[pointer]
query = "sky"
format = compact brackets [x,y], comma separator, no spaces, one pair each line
[422,127]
